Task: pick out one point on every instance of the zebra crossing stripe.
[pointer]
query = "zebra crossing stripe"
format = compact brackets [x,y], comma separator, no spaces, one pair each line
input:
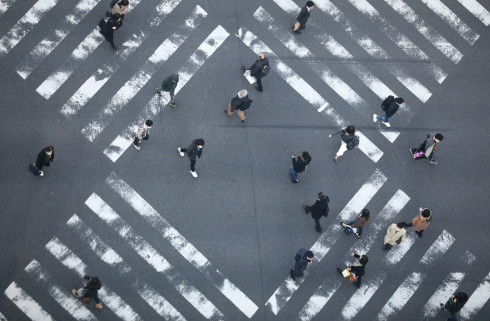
[436,39]
[25,25]
[48,44]
[159,304]
[306,91]
[111,300]
[468,258]
[477,10]
[92,85]
[361,297]
[26,303]
[97,245]
[368,44]
[477,300]
[403,42]
[2,317]
[452,20]
[4,6]
[442,294]
[184,247]
[121,143]
[321,247]
[438,248]
[153,257]
[64,298]
[398,252]
[318,300]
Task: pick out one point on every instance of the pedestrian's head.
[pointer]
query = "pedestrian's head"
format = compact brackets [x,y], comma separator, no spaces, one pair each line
[426,212]
[350,129]
[306,156]
[94,281]
[242,93]
[309,256]
[261,56]
[400,100]
[49,150]
[365,213]
[322,196]
[124,2]
[117,16]
[363,259]
[310,4]
[149,123]
[200,142]
[438,137]
[401,225]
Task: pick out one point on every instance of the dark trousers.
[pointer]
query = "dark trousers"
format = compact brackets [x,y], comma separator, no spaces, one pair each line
[318,227]
[193,162]
[453,315]
[259,84]
[137,141]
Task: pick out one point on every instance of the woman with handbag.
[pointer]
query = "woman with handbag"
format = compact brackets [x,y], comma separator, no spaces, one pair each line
[427,148]
[356,226]
[356,270]
[89,291]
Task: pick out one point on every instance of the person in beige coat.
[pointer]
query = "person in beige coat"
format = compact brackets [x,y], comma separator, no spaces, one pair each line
[421,221]
[120,7]
[395,234]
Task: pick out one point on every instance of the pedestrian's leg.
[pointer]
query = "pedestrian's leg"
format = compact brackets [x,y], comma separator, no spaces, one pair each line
[193,163]
[136,143]
[357,283]
[293,174]
[381,118]
[229,111]
[259,84]
[172,93]
[98,304]
[387,247]
[244,68]
[241,114]
[318,227]
[342,149]
[296,26]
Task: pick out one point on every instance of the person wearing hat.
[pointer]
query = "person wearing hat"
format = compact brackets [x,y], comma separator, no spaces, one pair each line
[299,165]
[395,234]
[169,84]
[317,210]
[427,148]
[421,221]
[357,269]
[239,103]
[302,262]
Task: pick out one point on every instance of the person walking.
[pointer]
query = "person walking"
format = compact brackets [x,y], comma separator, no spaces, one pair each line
[427,148]
[356,270]
[107,28]
[395,234]
[169,84]
[259,70]
[302,18]
[143,133]
[421,221]
[303,258]
[390,105]
[317,210]
[454,304]
[121,6]
[44,158]
[89,291]
[348,140]
[239,103]
[194,149]
[356,226]
[299,165]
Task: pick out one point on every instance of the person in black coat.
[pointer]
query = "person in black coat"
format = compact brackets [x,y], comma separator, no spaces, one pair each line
[319,209]
[299,165]
[107,27]
[44,158]
[259,69]
[239,103]
[357,268]
[301,265]
[194,150]
[302,18]
[389,112]
[454,304]
[89,291]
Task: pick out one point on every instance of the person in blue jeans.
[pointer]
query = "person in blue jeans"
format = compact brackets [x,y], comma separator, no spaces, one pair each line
[454,304]
[299,165]
[91,286]
[389,112]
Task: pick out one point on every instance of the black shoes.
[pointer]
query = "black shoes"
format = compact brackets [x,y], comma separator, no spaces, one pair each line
[419,233]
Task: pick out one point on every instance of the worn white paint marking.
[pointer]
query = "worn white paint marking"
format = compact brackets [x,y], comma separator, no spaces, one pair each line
[404,43]
[111,300]
[92,85]
[25,25]
[321,247]
[49,43]
[398,251]
[4,6]
[153,257]
[477,300]
[182,245]
[2,317]
[468,258]
[436,39]
[159,304]
[97,245]
[124,140]
[477,10]
[321,296]
[306,91]
[442,294]
[64,298]
[401,295]
[438,248]
[412,84]
[361,297]
[26,303]
[452,20]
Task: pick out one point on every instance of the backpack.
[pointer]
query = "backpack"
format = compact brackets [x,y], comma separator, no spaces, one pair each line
[353,142]
[113,3]
[265,70]
[390,99]
[246,104]
[301,252]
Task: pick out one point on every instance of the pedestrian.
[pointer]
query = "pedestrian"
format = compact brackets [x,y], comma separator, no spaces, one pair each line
[427,148]
[194,149]
[259,70]
[356,270]
[421,221]
[395,234]
[317,210]
[143,133]
[169,84]
[239,103]
[299,165]
[390,105]
[108,26]
[303,258]
[348,141]
[454,304]
[302,18]
[44,158]
[356,226]
[120,6]
[89,291]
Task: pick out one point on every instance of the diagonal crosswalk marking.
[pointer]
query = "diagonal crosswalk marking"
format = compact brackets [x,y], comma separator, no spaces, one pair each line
[2,317]
[362,296]
[25,25]
[438,248]
[159,304]
[477,299]
[154,258]
[397,253]
[452,20]
[184,247]
[306,91]
[48,44]
[321,247]
[64,298]
[443,292]
[4,6]
[318,300]
[121,143]
[477,10]
[26,303]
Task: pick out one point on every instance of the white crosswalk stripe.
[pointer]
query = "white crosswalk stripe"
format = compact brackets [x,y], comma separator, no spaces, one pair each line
[442,294]
[477,10]
[321,296]
[2,317]
[477,300]
[397,253]
[26,303]
[438,248]
[362,296]
[159,303]
[4,6]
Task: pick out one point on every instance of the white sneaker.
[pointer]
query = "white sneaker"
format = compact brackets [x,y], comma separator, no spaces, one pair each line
[375,118]
[180,152]
[137,147]
[386,124]
[193,173]
[41,174]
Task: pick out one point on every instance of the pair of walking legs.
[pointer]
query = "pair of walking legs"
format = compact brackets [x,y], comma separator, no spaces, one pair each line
[193,162]
[240,113]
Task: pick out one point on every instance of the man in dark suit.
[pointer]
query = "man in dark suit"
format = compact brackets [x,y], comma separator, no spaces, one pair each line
[303,17]
[259,69]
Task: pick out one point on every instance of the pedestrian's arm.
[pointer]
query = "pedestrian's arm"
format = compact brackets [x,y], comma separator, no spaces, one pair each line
[336,133]
[140,133]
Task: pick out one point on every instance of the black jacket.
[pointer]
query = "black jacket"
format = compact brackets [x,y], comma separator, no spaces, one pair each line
[239,103]
[303,16]
[391,109]
[256,68]
[320,208]
[43,159]
[299,165]
[300,266]
[91,289]
[460,298]
[357,270]
[192,151]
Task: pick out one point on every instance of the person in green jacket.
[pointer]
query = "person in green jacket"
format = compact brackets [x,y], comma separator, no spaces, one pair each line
[169,84]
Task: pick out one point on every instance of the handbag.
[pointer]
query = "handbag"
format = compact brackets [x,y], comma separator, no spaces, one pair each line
[348,274]
[348,230]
